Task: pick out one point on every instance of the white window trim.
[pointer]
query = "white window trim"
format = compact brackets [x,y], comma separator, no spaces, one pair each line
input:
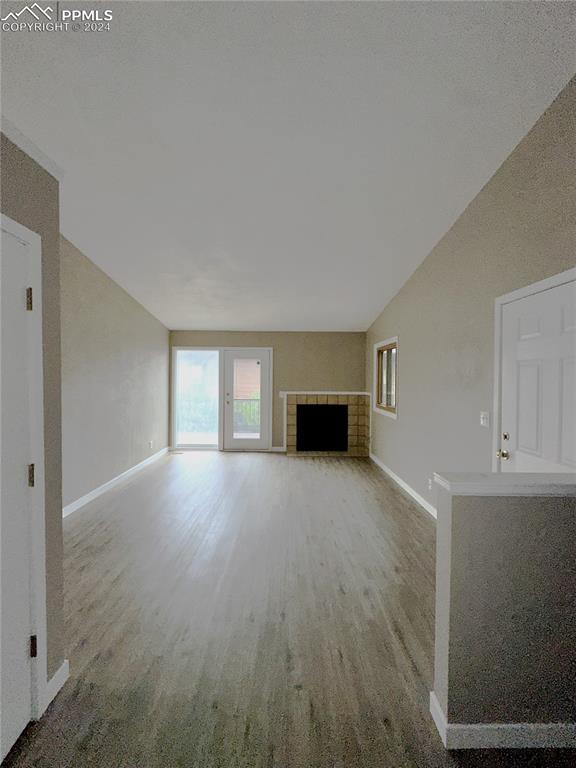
[377,346]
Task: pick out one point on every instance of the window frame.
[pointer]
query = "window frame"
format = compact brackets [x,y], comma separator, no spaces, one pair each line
[379,348]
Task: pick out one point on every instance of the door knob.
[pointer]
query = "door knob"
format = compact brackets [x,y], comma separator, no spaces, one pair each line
[504,455]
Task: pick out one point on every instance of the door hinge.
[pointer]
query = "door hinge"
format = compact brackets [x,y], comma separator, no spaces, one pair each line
[33,646]
[31,473]
[29,300]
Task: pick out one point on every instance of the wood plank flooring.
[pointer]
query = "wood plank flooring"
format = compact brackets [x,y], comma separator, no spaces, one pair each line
[250,611]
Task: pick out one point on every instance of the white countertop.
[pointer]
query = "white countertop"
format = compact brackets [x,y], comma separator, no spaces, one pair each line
[284,392]
[507,483]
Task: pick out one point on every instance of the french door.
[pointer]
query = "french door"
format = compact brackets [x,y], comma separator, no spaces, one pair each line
[247,399]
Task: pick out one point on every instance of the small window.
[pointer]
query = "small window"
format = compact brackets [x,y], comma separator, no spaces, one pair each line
[386,376]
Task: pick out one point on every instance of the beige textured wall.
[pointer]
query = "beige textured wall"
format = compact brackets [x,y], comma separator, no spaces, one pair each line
[311,361]
[30,196]
[114,377]
[505,627]
[519,229]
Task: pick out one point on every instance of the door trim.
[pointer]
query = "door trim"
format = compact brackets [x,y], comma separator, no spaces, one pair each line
[38,621]
[220,351]
[521,293]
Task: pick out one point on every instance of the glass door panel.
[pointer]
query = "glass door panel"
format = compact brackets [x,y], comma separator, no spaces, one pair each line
[246,396]
[197,397]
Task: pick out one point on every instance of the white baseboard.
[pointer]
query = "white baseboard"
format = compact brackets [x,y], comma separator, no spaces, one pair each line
[502,735]
[410,491]
[73,506]
[54,685]
[438,716]
[278,449]
[191,448]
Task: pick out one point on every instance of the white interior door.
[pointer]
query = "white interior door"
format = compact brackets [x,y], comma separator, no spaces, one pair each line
[21,484]
[247,399]
[539,382]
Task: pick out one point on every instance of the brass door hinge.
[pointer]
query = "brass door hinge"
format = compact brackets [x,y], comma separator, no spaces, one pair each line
[31,473]
[29,300]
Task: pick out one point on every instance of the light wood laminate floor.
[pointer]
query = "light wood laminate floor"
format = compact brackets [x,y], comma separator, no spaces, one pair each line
[250,611]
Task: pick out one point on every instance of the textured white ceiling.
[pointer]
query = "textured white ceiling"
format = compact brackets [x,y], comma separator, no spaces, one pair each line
[278,165]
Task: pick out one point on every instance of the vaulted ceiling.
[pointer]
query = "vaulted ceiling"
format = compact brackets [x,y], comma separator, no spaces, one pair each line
[280,165]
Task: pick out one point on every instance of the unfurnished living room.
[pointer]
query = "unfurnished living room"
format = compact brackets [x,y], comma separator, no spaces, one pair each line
[288,384]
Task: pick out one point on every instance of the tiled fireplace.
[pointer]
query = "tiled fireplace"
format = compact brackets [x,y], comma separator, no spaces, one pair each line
[327,423]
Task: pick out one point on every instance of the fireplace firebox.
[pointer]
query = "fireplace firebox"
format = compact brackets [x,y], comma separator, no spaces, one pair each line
[322,428]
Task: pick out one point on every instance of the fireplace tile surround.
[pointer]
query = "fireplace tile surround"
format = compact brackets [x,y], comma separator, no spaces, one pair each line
[358,420]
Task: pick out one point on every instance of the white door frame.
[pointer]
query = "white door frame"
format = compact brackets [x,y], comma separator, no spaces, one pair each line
[529,290]
[220,351]
[39,693]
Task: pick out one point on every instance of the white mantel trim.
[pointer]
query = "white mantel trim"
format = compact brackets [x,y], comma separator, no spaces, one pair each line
[504,484]
[284,392]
